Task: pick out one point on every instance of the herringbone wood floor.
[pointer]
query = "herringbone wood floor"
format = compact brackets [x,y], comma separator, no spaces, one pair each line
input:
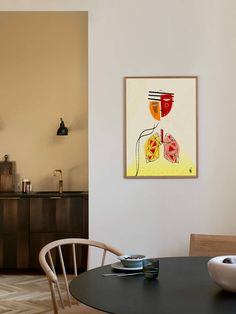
[28,294]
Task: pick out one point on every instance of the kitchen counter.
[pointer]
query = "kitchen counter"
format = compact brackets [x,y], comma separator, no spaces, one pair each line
[45,194]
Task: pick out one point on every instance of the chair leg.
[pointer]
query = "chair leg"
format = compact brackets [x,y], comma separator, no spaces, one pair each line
[54,302]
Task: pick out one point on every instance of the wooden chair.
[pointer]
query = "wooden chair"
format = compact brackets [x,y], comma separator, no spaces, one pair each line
[59,284]
[212,245]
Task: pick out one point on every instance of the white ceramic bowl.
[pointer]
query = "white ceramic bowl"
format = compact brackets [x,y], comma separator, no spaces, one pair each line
[223,274]
[132,260]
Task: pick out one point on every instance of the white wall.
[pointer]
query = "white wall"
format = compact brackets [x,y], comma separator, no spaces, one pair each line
[155,37]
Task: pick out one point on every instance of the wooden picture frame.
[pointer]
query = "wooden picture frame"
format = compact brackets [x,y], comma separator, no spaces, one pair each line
[161,127]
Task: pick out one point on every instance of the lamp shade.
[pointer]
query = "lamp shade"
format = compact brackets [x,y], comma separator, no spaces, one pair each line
[62,130]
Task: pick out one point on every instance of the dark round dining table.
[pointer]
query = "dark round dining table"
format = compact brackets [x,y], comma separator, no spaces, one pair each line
[183,287]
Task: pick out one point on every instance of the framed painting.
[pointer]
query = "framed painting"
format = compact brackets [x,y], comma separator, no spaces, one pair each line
[161,127]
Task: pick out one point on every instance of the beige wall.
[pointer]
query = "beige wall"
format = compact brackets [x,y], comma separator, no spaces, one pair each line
[43,62]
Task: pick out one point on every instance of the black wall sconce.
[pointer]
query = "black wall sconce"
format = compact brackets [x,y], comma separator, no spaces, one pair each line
[62,130]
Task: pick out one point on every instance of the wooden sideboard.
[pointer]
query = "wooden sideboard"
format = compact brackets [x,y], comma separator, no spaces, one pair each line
[29,221]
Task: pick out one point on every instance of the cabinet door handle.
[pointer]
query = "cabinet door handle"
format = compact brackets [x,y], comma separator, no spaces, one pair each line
[55,197]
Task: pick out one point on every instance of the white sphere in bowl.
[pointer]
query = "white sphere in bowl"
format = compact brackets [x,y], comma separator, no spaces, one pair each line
[223,273]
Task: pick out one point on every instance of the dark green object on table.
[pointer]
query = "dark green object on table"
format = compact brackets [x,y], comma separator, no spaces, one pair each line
[151,268]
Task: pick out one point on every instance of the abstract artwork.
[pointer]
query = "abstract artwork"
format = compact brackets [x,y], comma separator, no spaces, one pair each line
[161,127]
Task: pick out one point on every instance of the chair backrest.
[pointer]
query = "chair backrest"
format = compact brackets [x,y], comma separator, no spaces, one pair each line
[212,245]
[52,253]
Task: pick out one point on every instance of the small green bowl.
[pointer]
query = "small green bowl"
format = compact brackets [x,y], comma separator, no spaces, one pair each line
[132,260]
